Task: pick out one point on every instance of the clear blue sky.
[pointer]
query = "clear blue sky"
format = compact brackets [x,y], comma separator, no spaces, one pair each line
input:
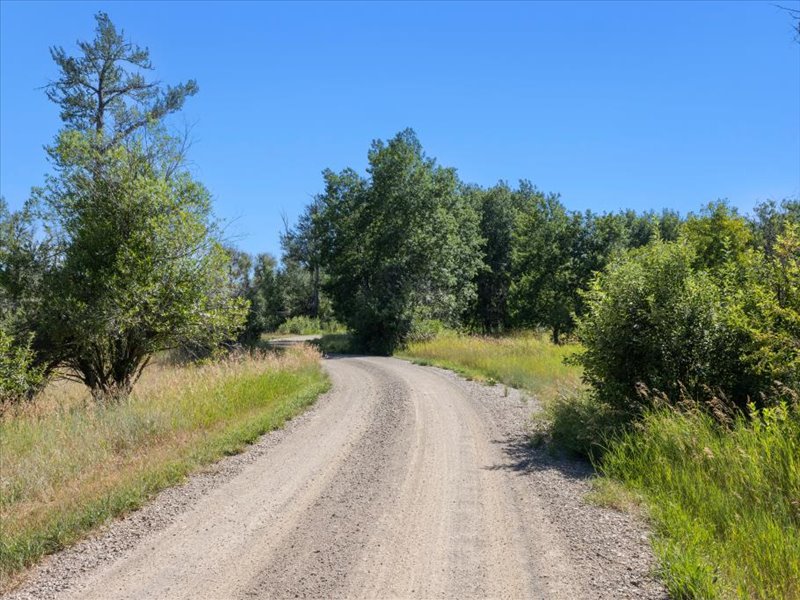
[614,105]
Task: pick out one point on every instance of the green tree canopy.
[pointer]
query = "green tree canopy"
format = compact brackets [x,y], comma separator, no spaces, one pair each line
[105,91]
[138,266]
[401,245]
[498,208]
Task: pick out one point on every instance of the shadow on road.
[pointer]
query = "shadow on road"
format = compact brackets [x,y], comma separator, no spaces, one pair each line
[525,457]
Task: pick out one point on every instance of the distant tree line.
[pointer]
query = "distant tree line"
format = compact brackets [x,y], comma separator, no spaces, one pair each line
[701,307]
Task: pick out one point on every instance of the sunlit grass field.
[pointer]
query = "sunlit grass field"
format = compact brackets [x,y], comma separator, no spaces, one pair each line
[724,501]
[68,465]
[527,360]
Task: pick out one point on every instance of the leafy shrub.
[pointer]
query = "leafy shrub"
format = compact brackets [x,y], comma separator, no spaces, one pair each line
[303,325]
[655,323]
[423,330]
[579,422]
[18,376]
[765,305]
[299,326]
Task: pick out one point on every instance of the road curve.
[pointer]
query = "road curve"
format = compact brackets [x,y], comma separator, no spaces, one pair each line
[395,487]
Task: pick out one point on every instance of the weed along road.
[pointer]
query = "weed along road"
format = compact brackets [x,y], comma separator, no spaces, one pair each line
[402,482]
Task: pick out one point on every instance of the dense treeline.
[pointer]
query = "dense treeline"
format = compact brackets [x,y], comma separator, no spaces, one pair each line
[703,308]
[667,309]
[410,247]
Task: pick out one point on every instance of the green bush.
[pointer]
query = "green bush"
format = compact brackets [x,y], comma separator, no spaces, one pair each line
[302,325]
[423,330]
[580,423]
[765,305]
[18,376]
[655,324]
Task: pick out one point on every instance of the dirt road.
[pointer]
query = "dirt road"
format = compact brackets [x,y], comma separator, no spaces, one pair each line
[403,482]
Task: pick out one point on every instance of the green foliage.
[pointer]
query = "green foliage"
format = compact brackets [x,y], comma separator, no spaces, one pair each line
[19,376]
[579,422]
[266,300]
[426,329]
[498,208]
[300,293]
[765,307]
[543,292]
[140,270]
[104,90]
[23,265]
[655,324]
[724,499]
[302,274]
[769,220]
[718,235]
[137,267]
[308,326]
[555,253]
[401,245]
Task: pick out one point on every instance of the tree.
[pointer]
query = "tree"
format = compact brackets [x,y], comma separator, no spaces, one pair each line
[769,221]
[104,91]
[543,289]
[24,259]
[240,268]
[498,208]
[139,268]
[22,264]
[400,246]
[302,259]
[719,236]
[765,306]
[299,290]
[266,300]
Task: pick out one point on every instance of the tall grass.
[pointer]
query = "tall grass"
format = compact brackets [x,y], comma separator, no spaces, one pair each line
[525,360]
[68,465]
[725,502]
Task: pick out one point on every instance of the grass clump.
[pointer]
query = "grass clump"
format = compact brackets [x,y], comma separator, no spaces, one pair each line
[69,465]
[526,360]
[725,500]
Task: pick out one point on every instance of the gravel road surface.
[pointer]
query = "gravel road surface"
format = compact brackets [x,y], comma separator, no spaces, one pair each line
[402,482]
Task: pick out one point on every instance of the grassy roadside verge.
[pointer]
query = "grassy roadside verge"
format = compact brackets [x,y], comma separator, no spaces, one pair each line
[526,360]
[68,466]
[724,503]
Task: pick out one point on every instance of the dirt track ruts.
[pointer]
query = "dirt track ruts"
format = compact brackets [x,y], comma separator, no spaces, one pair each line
[403,482]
